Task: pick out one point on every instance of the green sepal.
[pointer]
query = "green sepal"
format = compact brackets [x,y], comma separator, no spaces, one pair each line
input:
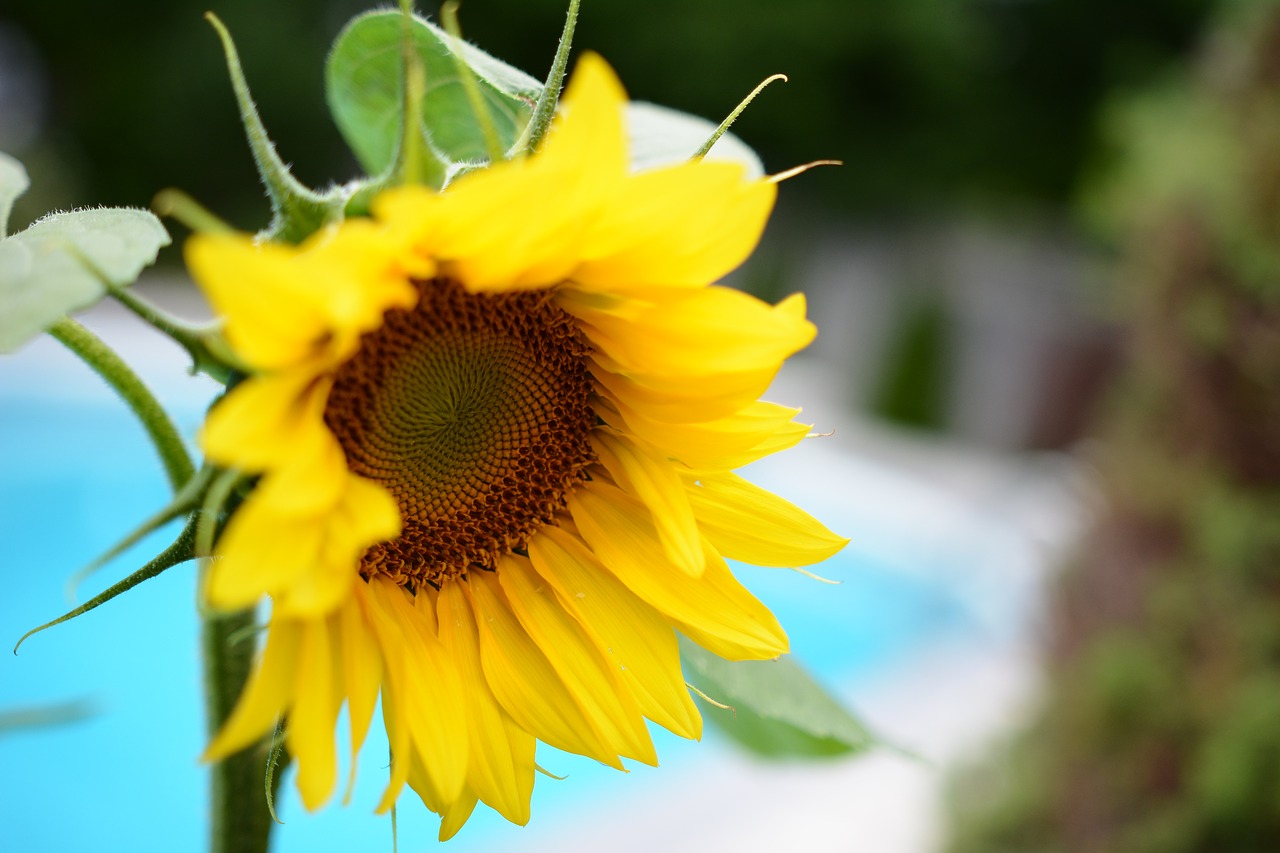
[297,211]
[364,84]
[660,136]
[362,193]
[775,708]
[67,262]
[185,501]
[277,760]
[724,126]
[182,549]
[545,772]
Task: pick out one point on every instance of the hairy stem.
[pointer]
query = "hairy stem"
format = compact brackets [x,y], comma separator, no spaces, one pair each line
[104,360]
[241,813]
[241,820]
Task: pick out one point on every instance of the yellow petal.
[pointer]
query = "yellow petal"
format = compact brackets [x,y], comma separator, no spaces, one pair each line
[283,305]
[362,271]
[268,696]
[361,677]
[714,610]
[311,483]
[764,641]
[588,134]
[260,553]
[683,399]
[456,815]
[429,689]
[501,767]
[424,601]
[310,734]
[655,483]
[745,522]
[557,192]
[366,514]
[399,744]
[519,224]
[308,563]
[412,213]
[639,641]
[322,587]
[524,682]
[578,661]
[757,431]
[684,226]
[690,332]
[501,224]
[273,316]
[389,640]
[265,421]
[547,201]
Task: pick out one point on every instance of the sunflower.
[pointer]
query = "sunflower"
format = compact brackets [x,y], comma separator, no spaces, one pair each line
[493,430]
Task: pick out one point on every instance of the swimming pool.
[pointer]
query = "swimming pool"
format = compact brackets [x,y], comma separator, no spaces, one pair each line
[75,471]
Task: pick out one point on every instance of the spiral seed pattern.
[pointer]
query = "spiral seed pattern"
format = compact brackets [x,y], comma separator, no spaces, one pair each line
[472,409]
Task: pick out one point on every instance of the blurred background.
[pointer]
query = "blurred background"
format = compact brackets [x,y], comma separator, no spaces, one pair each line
[1047,280]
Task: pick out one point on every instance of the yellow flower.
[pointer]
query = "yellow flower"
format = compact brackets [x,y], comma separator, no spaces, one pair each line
[495,428]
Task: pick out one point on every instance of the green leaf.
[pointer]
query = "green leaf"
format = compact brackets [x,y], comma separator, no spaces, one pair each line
[364,84]
[661,136]
[66,261]
[18,720]
[13,183]
[776,709]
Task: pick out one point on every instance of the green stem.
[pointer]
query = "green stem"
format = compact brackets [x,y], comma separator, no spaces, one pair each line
[241,817]
[415,82]
[480,111]
[195,339]
[176,204]
[545,109]
[104,360]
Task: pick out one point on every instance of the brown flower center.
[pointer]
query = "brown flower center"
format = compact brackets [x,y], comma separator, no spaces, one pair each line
[472,409]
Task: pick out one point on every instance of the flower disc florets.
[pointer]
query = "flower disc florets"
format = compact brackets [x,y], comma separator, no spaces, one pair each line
[473,411]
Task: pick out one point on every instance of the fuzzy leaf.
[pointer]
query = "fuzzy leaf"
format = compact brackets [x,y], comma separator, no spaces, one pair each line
[13,183]
[778,710]
[661,136]
[364,83]
[65,262]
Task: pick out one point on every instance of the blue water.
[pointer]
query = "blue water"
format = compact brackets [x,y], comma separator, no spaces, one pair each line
[75,474]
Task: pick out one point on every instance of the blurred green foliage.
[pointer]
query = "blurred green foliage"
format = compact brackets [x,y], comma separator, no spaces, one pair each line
[927,101]
[1159,731]
[773,708]
[914,380]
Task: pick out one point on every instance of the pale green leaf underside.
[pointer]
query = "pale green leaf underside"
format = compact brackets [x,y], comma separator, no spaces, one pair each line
[778,710]
[13,183]
[364,85]
[65,262]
